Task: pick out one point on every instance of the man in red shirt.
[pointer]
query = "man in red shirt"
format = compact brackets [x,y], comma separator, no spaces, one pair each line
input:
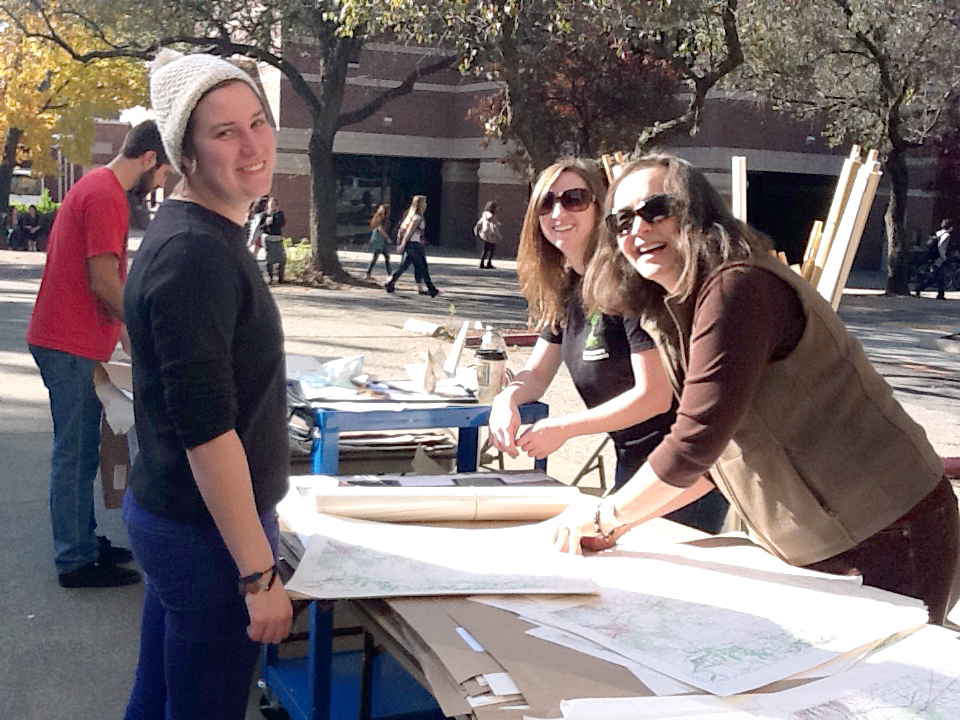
[75,324]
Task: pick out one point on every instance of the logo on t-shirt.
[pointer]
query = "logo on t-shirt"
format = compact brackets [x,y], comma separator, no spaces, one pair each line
[593,347]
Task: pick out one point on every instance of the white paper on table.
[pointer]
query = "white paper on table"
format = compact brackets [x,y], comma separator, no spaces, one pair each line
[656,682]
[654,708]
[354,559]
[918,677]
[718,631]
[476,701]
[501,683]
[740,557]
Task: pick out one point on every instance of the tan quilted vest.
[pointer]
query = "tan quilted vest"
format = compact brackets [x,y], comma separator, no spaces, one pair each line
[825,457]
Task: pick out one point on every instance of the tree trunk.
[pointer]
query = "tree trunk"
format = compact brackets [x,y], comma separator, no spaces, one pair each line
[7,164]
[323,171]
[323,206]
[895,221]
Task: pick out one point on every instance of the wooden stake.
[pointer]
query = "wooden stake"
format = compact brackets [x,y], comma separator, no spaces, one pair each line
[608,167]
[810,254]
[849,230]
[847,175]
[738,173]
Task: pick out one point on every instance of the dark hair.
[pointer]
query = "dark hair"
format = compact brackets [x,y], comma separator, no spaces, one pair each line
[490,207]
[709,235]
[144,138]
[946,224]
[545,277]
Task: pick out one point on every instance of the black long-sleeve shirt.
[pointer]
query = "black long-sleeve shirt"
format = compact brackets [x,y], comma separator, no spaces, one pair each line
[208,357]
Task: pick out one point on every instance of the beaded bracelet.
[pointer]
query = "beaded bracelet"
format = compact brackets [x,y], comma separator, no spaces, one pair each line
[251,584]
[596,525]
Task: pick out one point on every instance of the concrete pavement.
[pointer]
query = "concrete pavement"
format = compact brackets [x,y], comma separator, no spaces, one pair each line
[71,653]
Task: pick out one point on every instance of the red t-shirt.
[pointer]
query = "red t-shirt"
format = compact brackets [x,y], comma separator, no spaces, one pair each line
[93,220]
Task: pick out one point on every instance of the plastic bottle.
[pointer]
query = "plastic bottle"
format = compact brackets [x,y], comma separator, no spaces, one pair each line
[491,362]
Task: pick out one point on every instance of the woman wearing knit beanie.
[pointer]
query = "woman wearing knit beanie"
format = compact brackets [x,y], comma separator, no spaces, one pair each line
[210,397]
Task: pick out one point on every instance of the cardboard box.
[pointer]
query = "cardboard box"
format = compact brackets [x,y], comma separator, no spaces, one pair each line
[114,465]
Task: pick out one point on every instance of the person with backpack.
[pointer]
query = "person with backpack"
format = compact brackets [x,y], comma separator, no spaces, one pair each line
[938,246]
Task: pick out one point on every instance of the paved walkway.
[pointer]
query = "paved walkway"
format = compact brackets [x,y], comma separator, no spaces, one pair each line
[70,654]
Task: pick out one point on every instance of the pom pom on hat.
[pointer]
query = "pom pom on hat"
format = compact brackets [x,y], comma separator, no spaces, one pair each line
[177,82]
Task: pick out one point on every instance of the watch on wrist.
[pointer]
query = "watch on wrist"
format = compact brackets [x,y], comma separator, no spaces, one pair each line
[255,582]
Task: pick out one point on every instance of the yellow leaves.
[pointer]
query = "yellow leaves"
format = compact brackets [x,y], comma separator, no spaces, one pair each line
[52,99]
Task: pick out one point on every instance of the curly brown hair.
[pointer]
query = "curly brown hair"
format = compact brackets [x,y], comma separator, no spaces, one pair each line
[709,235]
[545,277]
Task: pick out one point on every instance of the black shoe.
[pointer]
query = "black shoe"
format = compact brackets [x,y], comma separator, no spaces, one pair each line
[433,292]
[95,575]
[110,554]
[490,266]
[388,287]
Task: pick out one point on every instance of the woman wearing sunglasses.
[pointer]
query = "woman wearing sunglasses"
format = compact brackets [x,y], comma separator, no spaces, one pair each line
[613,362]
[777,401]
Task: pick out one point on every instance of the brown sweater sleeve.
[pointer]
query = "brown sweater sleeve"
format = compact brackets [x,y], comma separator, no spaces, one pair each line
[745,318]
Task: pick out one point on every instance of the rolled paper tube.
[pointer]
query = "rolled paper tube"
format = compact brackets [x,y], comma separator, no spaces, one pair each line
[446,504]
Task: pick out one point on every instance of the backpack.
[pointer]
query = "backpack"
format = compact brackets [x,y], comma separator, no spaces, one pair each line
[932,247]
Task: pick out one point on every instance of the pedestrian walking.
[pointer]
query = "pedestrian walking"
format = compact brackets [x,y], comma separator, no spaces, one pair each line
[939,247]
[488,230]
[75,325]
[209,381]
[258,213]
[411,243]
[273,222]
[379,237]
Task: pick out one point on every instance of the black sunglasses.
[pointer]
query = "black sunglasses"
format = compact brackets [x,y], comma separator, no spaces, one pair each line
[654,208]
[572,200]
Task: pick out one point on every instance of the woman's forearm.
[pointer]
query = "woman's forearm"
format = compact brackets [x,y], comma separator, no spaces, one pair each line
[645,496]
[223,478]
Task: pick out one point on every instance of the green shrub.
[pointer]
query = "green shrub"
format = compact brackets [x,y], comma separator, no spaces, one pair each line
[298,255]
[46,206]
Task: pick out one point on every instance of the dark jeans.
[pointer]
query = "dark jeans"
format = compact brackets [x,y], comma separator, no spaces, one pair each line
[196,660]
[487,257]
[373,260]
[414,255]
[75,457]
[916,556]
[706,514]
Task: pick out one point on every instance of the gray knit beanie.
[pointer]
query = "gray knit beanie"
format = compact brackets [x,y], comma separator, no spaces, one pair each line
[177,82]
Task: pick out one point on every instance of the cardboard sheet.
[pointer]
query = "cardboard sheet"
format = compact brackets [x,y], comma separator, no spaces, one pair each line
[544,672]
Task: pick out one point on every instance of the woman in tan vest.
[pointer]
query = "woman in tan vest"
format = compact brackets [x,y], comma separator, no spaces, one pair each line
[779,407]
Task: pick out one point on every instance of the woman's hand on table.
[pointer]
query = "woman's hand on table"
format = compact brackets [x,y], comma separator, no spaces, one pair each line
[575,529]
[271,614]
[543,437]
[504,422]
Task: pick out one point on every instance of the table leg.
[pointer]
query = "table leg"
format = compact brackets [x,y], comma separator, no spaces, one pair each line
[326,452]
[320,660]
[467,447]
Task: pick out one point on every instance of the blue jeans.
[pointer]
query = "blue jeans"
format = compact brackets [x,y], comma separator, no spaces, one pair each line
[75,457]
[414,255]
[196,660]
